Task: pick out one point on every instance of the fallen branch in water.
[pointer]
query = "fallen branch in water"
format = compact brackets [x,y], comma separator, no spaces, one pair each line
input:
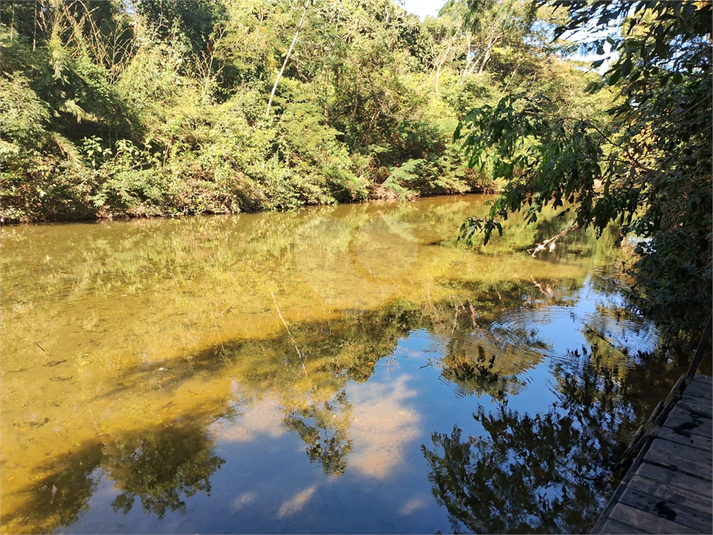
[289,333]
[547,293]
[551,243]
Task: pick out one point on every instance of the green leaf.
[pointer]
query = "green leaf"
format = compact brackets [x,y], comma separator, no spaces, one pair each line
[626,67]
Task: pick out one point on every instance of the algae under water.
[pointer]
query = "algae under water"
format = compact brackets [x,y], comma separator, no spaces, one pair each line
[341,369]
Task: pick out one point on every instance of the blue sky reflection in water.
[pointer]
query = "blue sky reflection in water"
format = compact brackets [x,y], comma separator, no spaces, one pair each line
[451,389]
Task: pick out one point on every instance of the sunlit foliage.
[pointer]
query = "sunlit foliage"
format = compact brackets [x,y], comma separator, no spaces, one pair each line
[145,108]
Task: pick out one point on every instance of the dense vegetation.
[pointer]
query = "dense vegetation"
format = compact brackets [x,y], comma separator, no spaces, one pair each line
[647,166]
[155,107]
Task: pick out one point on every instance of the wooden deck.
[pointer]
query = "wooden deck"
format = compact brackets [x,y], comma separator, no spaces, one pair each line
[668,488]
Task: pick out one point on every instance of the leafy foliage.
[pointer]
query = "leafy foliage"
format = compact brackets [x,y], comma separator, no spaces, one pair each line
[647,167]
[144,108]
[160,468]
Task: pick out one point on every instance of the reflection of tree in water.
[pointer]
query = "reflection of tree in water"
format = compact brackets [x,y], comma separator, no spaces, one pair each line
[323,428]
[538,473]
[488,362]
[161,466]
[59,494]
[493,485]
[476,375]
[158,465]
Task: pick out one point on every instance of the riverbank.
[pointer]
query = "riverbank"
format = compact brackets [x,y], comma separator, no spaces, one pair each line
[204,121]
[62,200]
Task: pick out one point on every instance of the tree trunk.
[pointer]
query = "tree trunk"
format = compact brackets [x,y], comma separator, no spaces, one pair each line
[468,59]
[441,63]
[284,63]
[486,59]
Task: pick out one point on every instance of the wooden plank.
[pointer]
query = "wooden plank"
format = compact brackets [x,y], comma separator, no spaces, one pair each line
[684,422]
[672,477]
[694,395]
[695,441]
[642,520]
[682,450]
[667,510]
[706,379]
[615,528]
[703,378]
[697,464]
[685,451]
[678,495]
[699,389]
[695,406]
[697,400]
[669,489]
[703,405]
[700,469]
[684,407]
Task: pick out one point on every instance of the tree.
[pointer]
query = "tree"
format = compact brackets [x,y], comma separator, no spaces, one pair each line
[647,167]
[160,468]
[187,25]
[324,429]
[140,107]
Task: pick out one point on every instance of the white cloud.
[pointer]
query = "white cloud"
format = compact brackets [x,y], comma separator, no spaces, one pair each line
[263,418]
[382,426]
[297,502]
[414,504]
[243,500]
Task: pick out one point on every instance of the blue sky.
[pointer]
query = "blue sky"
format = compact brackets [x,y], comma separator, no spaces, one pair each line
[422,8]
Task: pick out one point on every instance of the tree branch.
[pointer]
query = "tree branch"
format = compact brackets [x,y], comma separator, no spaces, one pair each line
[287,57]
[551,243]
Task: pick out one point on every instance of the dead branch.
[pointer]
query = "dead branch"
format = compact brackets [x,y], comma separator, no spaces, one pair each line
[551,243]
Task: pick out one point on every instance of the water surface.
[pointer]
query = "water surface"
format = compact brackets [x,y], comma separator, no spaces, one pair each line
[343,369]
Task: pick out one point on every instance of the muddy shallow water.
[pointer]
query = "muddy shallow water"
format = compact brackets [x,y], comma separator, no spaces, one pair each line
[344,369]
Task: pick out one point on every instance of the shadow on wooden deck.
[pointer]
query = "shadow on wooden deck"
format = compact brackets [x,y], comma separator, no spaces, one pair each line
[669,487]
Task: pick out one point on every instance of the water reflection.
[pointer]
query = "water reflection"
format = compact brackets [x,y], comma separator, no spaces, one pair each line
[476,374]
[383,425]
[59,492]
[323,429]
[547,472]
[161,468]
[279,372]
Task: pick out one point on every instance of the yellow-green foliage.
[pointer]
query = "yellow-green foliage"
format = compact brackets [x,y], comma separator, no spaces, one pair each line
[162,109]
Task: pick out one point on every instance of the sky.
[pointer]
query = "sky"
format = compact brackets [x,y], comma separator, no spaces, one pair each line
[423,7]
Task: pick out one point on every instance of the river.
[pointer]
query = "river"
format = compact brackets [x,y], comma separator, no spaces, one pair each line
[343,369]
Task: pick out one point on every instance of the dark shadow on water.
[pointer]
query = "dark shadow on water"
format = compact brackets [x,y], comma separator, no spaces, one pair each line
[372,334]
[58,498]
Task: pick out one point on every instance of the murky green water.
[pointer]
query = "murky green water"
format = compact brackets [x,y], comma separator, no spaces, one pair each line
[342,370]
